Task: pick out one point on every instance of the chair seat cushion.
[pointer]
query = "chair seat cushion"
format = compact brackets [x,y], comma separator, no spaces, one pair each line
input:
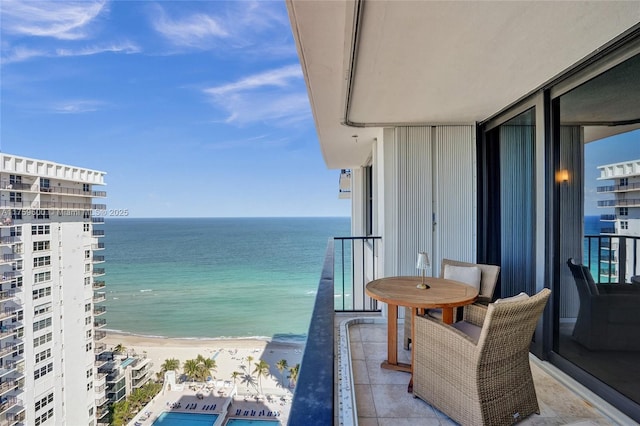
[473,331]
[469,275]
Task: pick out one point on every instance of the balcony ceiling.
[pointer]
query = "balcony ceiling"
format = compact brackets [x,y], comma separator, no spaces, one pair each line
[432,62]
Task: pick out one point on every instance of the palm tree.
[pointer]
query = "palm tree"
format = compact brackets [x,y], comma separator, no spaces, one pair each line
[281,366]
[249,359]
[170,365]
[235,376]
[208,365]
[262,369]
[190,368]
[293,374]
[119,348]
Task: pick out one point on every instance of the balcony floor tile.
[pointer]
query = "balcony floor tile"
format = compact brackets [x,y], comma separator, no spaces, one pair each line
[382,398]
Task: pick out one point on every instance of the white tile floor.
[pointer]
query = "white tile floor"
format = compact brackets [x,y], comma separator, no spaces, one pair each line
[382,398]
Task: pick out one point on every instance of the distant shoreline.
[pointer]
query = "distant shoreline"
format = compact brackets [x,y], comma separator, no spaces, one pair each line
[293,340]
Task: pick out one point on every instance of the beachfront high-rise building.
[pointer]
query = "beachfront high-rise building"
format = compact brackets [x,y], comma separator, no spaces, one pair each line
[50,288]
[623,222]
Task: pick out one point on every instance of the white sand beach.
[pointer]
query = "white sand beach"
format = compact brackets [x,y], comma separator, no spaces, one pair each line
[230,354]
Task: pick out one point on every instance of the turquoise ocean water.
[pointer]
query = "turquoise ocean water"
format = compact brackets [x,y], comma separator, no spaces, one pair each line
[215,277]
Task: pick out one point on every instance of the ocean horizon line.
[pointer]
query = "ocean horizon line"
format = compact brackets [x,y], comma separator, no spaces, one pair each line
[226,217]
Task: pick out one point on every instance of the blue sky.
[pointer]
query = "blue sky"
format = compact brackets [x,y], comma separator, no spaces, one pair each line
[194,109]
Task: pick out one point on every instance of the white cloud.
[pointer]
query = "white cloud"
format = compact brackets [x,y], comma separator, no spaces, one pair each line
[273,97]
[58,19]
[258,28]
[77,106]
[20,53]
[280,77]
[125,47]
[193,30]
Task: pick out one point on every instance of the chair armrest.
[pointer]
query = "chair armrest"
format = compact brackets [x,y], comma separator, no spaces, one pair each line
[475,314]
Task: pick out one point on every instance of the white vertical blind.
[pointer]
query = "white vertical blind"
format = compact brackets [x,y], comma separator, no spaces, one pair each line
[455,193]
[414,189]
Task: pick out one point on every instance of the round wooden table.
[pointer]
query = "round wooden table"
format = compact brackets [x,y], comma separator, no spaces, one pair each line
[402,291]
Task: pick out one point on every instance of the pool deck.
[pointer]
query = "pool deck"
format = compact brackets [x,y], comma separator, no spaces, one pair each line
[269,407]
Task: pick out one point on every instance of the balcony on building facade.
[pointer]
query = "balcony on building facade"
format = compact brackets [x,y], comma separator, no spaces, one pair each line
[97,285]
[97,259]
[64,190]
[8,312]
[7,385]
[99,322]
[99,310]
[99,297]
[7,349]
[9,257]
[99,335]
[619,188]
[631,202]
[16,186]
[13,418]
[7,295]
[99,348]
[607,217]
[97,233]
[99,383]
[97,272]
[97,246]
[101,400]
[8,330]
[608,230]
[97,219]
[9,240]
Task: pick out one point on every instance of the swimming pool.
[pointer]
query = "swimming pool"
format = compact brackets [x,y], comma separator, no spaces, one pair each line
[127,362]
[185,419]
[251,422]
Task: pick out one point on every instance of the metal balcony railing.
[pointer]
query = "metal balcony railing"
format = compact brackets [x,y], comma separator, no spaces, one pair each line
[604,217]
[620,202]
[355,266]
[99,310]
[612,258]
[72,191]
[97,285]
[618,188]
[98,246]
[352,259]
[98,233]
[16,186]
[98,271]
[97,219]
[97,259]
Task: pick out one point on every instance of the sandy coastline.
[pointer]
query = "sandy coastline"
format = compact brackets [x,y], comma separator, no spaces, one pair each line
[230,354]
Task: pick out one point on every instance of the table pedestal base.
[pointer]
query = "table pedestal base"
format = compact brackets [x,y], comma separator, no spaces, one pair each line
[397,367]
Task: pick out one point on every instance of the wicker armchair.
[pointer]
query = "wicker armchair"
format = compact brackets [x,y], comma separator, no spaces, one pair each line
[488,279]
[480,375]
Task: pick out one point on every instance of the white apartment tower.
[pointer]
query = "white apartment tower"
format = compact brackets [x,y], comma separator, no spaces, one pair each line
[49,291]
[624,221]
